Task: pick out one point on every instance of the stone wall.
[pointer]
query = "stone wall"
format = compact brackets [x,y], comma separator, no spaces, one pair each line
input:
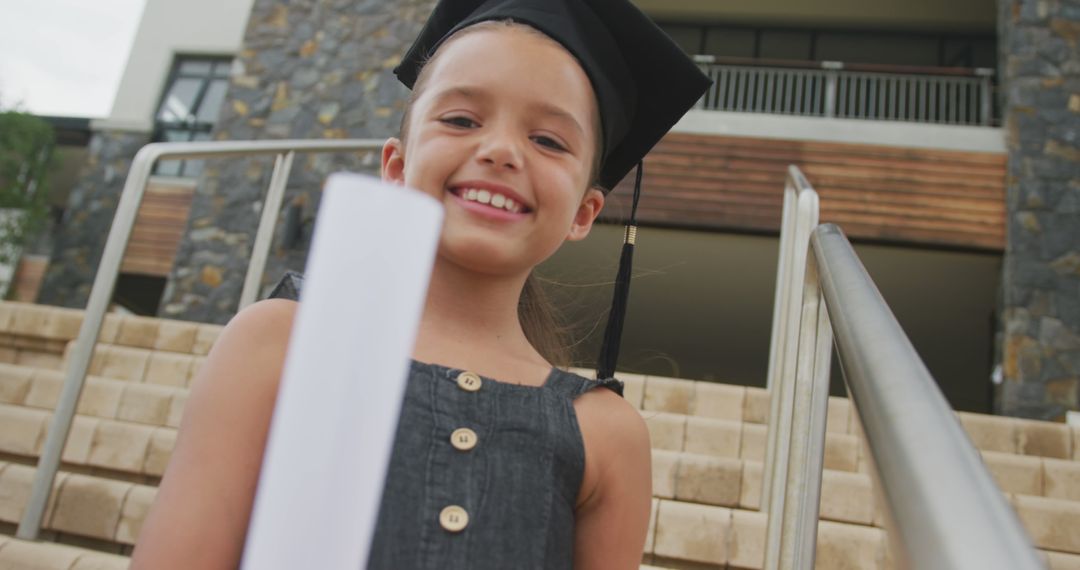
[310,69]
[79,239]
[1041,281]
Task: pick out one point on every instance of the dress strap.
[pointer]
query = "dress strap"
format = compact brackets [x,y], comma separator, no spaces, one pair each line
[572,385]
[289,287]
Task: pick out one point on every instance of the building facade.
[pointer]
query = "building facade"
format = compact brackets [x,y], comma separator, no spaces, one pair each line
[894,111]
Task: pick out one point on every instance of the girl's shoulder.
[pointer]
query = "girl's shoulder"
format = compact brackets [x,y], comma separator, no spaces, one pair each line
[601,404]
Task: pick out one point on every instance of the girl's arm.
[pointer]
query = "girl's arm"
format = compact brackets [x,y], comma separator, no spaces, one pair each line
[200,516]
[612,516]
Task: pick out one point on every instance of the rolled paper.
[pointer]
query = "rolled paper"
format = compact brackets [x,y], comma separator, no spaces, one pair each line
[344,377]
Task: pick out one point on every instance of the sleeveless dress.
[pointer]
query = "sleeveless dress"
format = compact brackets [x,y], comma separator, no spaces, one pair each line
[483,474]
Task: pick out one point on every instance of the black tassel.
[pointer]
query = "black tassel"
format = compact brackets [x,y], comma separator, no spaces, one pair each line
[609,350]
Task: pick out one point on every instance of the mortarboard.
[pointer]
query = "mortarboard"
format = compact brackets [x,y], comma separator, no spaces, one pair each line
[643,81]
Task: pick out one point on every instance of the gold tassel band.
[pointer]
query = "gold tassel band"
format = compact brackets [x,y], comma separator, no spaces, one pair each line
[630,235]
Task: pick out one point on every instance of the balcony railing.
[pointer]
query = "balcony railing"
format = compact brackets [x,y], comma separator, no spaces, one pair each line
[952,96]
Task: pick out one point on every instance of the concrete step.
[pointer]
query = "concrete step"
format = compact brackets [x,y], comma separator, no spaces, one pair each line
[728,438]
[708,442]
[141,365]
[150,387]
[750,405]
[124,449]
[55,323]
[684,535]
[107,510]
[121,448]
[144,448]
[107,398]
[27,555]
[680,531]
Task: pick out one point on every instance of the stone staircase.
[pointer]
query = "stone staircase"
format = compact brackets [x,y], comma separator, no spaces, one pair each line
[708,441]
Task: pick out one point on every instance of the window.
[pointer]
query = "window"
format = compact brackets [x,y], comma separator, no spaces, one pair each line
[930,49]
[190,108]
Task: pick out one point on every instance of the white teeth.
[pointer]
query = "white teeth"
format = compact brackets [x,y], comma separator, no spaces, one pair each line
[492,199]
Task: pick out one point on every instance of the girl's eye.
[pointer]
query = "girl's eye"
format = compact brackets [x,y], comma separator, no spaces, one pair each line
[463,122]
[549,143]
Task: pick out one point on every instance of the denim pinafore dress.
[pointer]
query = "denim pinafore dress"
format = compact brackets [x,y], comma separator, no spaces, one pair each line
[483,474]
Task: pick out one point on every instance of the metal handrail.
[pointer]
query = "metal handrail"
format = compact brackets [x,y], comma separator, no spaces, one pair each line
[822,290]
[946,508]
[109,268]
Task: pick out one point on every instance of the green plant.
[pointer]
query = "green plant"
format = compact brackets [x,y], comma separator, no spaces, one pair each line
[26,144]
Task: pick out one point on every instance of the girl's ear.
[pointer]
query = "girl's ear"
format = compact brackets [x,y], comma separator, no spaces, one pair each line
[393,161]
[586,214]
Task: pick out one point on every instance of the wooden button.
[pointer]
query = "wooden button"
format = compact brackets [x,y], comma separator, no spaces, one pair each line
[469,381]
[454,518]
[463,439]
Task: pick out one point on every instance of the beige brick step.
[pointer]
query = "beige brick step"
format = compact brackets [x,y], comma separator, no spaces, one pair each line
[731,480]
[710,536]
[81,505]
[23,554]
[736,483]
[142,365]
[680,531]
[850,497]
[111,445]
[133,442]
[152,404]
[55,323]
[730,438]
[686,477]
[750,405]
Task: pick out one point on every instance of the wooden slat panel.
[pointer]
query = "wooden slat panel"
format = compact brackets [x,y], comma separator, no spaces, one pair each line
[903,195]
[159,227]
[28,277]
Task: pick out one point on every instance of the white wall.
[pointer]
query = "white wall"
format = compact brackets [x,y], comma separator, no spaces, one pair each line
[857,131]
[170,27]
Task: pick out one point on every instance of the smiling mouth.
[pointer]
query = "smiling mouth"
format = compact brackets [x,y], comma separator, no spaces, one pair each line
[492,199]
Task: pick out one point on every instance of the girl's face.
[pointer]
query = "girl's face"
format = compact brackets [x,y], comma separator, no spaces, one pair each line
[504,133]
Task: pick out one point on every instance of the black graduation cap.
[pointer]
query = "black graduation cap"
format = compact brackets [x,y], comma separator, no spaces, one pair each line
[643,81]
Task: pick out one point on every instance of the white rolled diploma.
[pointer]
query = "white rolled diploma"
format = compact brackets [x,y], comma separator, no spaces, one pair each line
[348,359]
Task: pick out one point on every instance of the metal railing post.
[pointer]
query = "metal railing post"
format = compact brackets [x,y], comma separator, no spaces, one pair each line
[105,281]
[781,322]
[275,193]
[798,530]
[780,294]
[782,395]
[79,361]
[986,94]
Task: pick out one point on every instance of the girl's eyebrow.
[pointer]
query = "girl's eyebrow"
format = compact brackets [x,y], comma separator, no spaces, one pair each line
[460,91]
[557,112]
[542,107]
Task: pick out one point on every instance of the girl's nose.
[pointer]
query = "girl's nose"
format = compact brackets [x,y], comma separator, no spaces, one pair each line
[500,150]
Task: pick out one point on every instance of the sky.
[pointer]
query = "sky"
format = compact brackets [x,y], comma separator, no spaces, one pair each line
[64,57]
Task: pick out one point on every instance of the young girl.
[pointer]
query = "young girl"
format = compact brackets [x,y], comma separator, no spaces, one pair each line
[523,114]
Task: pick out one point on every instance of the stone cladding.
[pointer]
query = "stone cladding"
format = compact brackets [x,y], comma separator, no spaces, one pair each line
[79,238]
[309,69]
[1041,280]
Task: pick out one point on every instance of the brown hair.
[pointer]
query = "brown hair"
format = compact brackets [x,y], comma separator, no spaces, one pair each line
[540,319]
